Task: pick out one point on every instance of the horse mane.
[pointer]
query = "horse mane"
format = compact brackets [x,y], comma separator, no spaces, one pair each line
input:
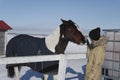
[62,44]
[52,39]
[55,42]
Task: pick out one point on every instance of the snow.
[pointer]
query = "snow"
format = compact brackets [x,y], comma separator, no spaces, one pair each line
[75,48]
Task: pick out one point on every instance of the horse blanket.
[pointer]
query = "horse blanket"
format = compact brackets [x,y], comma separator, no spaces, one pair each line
[25,45]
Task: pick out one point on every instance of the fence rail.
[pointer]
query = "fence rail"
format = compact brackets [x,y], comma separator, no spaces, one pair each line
[62,58]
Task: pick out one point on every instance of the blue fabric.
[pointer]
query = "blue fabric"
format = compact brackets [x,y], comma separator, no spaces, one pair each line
[25,45]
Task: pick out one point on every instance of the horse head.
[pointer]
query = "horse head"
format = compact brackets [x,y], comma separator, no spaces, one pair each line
[68,32]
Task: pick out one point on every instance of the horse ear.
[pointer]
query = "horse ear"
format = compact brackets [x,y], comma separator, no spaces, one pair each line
[70,21]
[63,20]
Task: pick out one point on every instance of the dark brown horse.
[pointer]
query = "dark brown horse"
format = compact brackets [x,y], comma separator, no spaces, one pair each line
[55,43]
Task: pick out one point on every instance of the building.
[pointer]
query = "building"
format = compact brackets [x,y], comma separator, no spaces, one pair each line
[3,29]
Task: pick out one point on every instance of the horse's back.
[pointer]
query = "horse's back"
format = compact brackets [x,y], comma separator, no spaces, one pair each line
[22,45]
[25,45]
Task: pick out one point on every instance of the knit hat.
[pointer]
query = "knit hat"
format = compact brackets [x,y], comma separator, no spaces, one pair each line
[95,34]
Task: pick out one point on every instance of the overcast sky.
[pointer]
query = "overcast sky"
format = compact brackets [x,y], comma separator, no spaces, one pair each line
[39,16]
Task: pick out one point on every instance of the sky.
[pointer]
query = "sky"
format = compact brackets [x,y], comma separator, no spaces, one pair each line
[44,16]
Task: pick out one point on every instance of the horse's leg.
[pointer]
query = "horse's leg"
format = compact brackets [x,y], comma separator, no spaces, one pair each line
[46,76]
[55,77]
[16,73]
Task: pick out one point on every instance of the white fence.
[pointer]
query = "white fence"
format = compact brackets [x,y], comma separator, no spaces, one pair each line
[62,61]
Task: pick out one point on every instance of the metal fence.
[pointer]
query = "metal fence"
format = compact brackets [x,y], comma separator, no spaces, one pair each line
[111,68]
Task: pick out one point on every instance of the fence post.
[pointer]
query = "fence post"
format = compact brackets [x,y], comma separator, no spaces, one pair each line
[62,67]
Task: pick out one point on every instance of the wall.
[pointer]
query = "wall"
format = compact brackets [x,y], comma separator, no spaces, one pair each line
[2,42]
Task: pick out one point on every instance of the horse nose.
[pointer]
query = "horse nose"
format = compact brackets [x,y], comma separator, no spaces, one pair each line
[84,39]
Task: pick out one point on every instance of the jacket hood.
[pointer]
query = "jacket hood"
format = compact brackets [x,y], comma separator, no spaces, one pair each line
[101,42]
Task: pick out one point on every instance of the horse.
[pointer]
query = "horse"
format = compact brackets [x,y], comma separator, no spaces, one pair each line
[55,43]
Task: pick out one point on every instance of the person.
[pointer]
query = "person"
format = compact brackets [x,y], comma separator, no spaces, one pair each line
[96,54]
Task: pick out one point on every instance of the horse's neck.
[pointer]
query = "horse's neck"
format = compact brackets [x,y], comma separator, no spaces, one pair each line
[61,46]
[52,40]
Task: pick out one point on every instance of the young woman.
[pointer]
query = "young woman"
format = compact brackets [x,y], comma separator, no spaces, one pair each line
[96,54]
